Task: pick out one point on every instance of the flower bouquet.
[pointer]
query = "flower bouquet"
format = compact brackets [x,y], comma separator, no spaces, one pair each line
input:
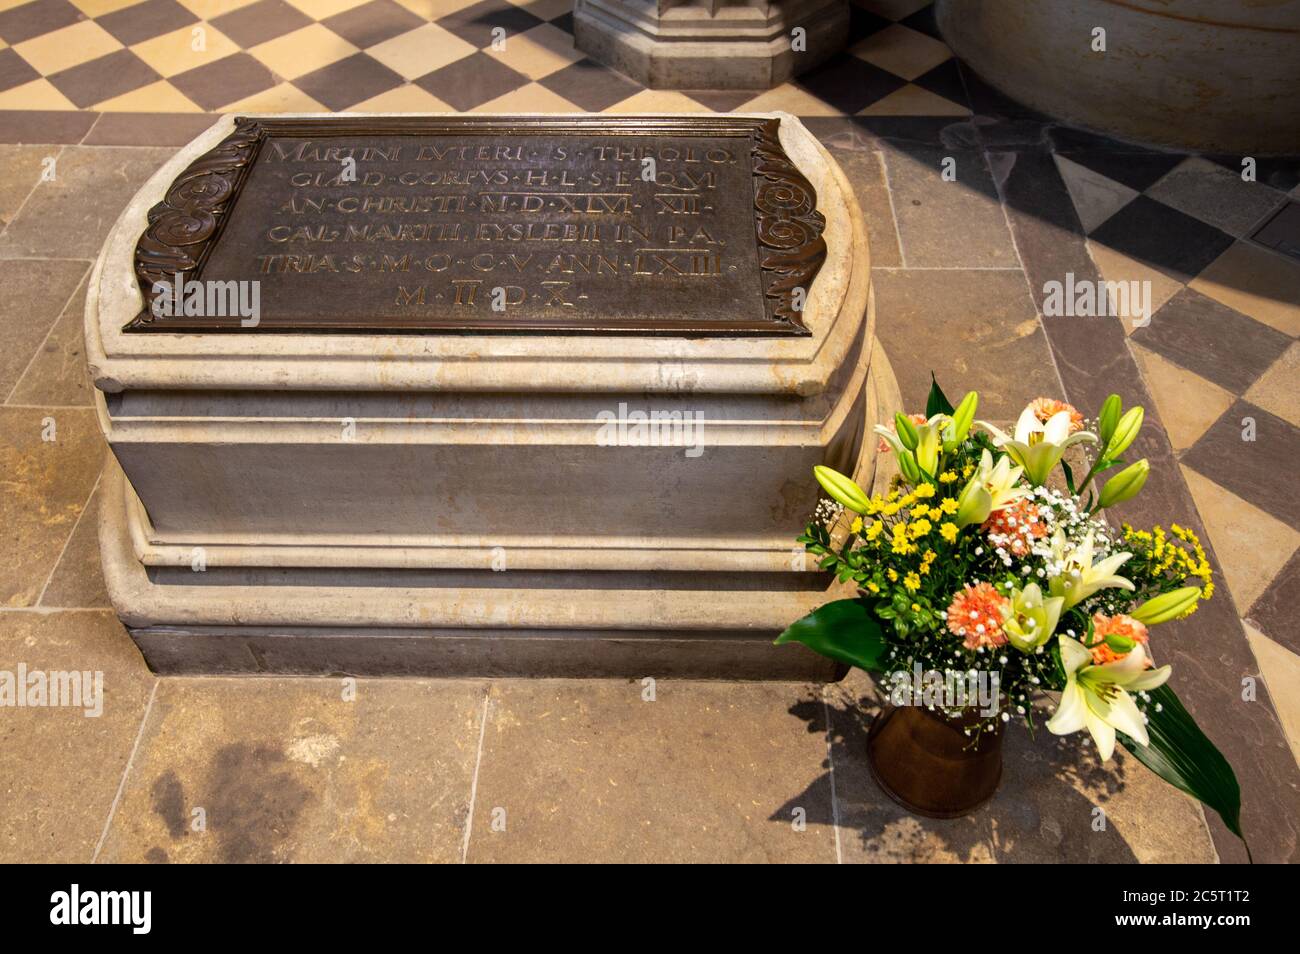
[989,578]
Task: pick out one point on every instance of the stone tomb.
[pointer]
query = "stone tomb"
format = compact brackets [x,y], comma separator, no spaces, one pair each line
[481,395]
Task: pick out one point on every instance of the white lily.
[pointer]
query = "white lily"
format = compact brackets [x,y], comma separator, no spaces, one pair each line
[1097,697]
[1078,577]
[1028,619]
[928,444]
[1038,447]
[991,487]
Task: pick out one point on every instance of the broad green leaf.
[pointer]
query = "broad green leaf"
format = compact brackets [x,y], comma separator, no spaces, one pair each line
[1181,755]
[844,631]
[937,402]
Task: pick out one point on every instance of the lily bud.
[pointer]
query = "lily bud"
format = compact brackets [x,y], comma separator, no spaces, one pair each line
[927,450]
[1109,417]
[962,418]
[1125,431]
[908,467]
[905,430]
[1125,485]
[1166,606]
[974,504]
[842,489]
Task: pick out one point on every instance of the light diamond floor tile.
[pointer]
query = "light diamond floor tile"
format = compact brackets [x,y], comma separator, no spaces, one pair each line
[1256,282]
[404,99]
[1096,197]
[538,52]
[902,51]
[1281,671]
[68,47]
[159,97]
[1251,545]
[302,51]
[913,100]
[283,98]
[181,50]
[1278,388]
[1187,403]
[420,51]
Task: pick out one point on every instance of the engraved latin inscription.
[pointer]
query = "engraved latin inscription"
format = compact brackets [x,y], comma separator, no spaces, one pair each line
[565,227]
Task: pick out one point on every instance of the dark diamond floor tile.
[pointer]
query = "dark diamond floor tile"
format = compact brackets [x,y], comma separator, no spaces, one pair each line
[923,20]
[144,21]
[1274,611]
[14,70]
[590,86]
[101,79]
[1218,343]
[224,81]
[472,81]
[1162,237]
[1259,471]
[863,23]
[349,81]
[1137,170]
[564,22]
[36,19]
[945,80]
[373,22]
[1282,231]
[475,24]
[849,84]
[259,22]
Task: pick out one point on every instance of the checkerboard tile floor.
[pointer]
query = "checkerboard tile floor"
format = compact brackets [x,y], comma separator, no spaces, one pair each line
[1220,351]
[409,55]
[1219,355]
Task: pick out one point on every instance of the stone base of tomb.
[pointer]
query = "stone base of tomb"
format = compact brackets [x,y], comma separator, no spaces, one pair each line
[375,611]
[708,44]
[444,504]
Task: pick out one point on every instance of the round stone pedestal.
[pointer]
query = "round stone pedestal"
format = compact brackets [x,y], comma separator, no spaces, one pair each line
[1189,74]
[710,44]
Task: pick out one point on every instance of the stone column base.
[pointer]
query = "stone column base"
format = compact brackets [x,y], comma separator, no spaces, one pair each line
[689,47]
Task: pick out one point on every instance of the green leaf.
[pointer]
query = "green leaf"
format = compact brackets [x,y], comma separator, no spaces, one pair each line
[1181,755]
[937,402]
[844,631]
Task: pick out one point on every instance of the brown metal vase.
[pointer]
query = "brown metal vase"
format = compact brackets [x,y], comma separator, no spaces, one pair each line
[925,762]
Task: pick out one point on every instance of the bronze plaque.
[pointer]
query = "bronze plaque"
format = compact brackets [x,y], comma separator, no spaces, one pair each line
[590,225]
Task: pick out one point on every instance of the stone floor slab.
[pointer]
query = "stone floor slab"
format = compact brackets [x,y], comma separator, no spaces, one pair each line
[57,375]
[927,205]
[59,768]
[34,294]
[49,461]
[975,329]
[590,771]
[290,770]
[70,216]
